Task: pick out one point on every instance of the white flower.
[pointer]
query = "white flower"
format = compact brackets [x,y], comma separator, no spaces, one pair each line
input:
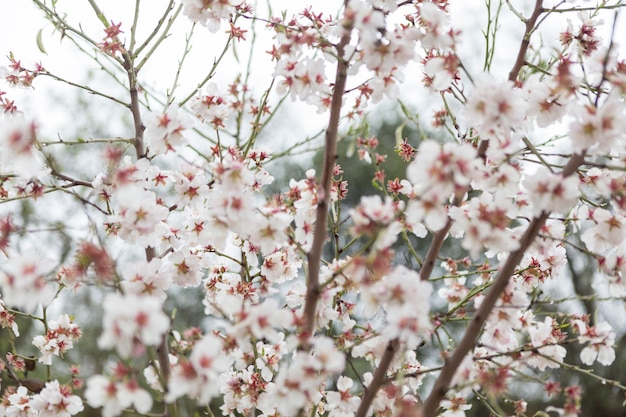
[494,108]
[608,233]
[164,131]
[114,396]
[601,341]
[198,377]
[551,192]
[541,337]
[209,13]
[598,129]
[23,281]
[56,400]
[146,278]
[59,339]
[19,404]
[138,215]
[17,147]
[131,322]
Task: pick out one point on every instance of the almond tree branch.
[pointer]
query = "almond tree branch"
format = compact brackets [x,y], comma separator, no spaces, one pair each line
[379,378]
[330,155]
[442,384]
[521,53]
[140,151]
[437,243]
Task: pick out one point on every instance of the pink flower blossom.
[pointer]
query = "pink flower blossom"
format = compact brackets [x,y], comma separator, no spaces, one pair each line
[600,340]
[56,400]
[60,337]
[132,322]
[114,396]
[198,377]
[551,192]
[18,137]
[23,281]
[164,131]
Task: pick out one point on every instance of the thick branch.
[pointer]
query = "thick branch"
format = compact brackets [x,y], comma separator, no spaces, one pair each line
[473,330]
[135,110]
[330,155]
[378,379]
[521,53]
[164,362]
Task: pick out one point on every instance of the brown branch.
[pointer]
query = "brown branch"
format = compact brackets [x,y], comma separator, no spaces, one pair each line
[425,272]
[439,238]
[138,141]
[521,53]
[136,112]
[442,384]
[330,155]
[378,379]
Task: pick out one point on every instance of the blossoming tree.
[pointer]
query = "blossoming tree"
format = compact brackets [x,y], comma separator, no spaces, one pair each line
[311,307]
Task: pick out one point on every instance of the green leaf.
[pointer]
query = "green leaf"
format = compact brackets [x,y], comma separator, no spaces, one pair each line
[40,42]
[399,129]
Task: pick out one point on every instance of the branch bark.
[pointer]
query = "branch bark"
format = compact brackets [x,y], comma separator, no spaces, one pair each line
[379,378]
[521,53]
[330,155]
[140,151]
[442,384]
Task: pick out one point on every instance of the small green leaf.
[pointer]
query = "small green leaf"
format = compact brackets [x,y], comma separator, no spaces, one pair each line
[399,137]
[40,42]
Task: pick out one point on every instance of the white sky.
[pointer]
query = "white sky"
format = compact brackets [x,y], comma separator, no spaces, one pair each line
[20,22]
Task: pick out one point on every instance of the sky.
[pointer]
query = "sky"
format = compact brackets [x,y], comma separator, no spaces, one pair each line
[21,22]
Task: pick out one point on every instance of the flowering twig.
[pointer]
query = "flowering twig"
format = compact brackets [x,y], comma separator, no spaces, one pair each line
[502,279]
[315,255]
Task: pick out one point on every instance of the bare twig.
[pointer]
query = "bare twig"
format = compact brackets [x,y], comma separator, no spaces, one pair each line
[84,87]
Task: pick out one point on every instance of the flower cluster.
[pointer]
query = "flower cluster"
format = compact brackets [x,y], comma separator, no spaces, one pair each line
[53,400]
[218,288]
[59,338]
[23,281]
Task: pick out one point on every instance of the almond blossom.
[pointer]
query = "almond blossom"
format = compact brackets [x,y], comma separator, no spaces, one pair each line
[551,192]
[131,323]
[600,340]
[60,337]
[18,139]
[495,108]
[198,376]
[114,396]
[542,336]
[453,282]
[56,400]
[164,132]
[23,281]
[209,13]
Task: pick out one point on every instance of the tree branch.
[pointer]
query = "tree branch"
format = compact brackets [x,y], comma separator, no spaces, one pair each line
[330,155]
[442,384]
[379,378]
[521,53]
